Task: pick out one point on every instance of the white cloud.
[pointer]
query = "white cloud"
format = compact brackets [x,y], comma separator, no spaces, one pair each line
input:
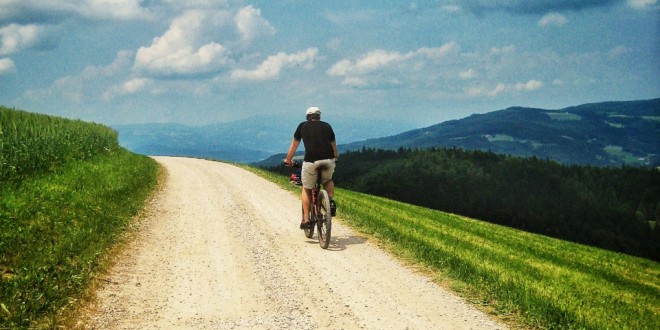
[88,84]
[273,65]
[452,9]
[115,9]
[485,91]
[469,74]
[641,4]
[131,86]
[377,59]
[618,51]
[481,91]
[14,37]
[251,25]
[184,48]
[439,52]
[503,50]
[553,19]
[354,82]
[531,85]
[6,65]
[383,60]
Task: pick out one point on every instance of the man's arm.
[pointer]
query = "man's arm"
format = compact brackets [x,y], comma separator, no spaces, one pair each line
[292,151]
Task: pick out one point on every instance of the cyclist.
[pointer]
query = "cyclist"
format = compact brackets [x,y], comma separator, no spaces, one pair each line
[320,150]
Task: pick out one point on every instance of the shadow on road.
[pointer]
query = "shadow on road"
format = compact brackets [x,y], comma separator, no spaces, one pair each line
[340,243]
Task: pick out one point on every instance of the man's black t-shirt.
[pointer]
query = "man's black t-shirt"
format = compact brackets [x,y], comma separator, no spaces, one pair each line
[317,137]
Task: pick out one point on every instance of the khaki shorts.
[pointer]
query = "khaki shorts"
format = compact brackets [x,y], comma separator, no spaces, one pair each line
[309,172]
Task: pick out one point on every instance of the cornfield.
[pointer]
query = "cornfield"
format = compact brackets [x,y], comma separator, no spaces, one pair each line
[34,143]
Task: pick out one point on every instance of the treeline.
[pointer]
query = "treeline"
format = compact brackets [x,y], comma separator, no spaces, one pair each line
[610,208]
[33,143]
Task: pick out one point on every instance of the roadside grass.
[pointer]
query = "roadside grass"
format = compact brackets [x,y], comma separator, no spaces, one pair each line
[525,279]
[55,226]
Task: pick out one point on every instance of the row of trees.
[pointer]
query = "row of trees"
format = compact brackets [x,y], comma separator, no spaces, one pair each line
[610,208]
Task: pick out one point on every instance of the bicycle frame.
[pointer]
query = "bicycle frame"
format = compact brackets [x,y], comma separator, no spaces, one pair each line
[317,218]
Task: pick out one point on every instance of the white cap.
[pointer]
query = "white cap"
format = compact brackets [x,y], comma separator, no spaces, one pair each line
[313,111]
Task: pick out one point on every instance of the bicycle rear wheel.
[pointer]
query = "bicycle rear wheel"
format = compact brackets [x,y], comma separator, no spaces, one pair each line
[309,230]
[324,219]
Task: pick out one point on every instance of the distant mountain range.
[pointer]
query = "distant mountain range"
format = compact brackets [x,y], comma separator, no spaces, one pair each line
[246,140]
[599,134]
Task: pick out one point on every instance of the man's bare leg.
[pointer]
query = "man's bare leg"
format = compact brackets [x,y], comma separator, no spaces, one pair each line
[306,197]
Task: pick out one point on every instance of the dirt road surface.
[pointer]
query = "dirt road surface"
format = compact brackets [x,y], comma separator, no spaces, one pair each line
[220,248]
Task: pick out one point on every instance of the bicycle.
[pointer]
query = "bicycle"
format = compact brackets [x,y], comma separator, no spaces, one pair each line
[320,215]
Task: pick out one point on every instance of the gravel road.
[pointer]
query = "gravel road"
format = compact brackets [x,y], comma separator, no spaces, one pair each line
[220,248]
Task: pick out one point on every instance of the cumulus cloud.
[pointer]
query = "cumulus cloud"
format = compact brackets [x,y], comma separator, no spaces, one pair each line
[480,91]
[531,85]
[370,62]
[184,49]
[251,25]
[273,65]
[618,51]
[88,84]
[383,69]
[15,37]
[469,74]
[6,65]
[642,4]
[553,19]
[119,10]
[131,86]
[503,50]
[485,91]
[381,59]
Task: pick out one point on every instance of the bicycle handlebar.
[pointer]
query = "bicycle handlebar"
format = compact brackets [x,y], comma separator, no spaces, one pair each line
[293,164]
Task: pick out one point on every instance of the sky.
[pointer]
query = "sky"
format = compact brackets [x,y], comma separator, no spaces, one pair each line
[199,62]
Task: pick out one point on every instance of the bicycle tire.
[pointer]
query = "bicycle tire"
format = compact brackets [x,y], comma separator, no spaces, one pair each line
[324,219]
[309,230]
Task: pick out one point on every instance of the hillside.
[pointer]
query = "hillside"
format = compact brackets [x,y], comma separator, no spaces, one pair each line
[544,282]
[611,208]
[600,134]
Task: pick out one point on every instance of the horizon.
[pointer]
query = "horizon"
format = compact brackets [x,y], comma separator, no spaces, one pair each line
[417,63]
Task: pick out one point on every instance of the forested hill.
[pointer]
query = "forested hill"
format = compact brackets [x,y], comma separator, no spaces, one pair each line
[599,134]
[611,208]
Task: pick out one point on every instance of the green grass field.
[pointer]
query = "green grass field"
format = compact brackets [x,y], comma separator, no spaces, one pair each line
[63,204]
[61,212]
[527,279]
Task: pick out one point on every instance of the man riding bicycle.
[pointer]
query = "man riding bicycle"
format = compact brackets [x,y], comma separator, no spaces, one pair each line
[320,151]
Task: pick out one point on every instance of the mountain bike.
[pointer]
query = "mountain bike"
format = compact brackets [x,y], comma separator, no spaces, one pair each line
[319,211]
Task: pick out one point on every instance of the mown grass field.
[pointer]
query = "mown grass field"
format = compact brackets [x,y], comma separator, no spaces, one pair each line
[529,280]
[67,192]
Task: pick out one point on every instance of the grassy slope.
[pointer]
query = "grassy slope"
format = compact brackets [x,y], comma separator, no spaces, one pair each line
[529,279]
[54,228]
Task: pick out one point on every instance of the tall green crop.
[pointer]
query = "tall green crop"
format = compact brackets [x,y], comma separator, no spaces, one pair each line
[67,190]
[34,143]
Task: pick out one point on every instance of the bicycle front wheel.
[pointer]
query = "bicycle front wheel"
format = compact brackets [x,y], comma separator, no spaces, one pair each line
[324,219]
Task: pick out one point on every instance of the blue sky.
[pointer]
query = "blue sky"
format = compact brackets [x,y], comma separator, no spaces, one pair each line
[417,62]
